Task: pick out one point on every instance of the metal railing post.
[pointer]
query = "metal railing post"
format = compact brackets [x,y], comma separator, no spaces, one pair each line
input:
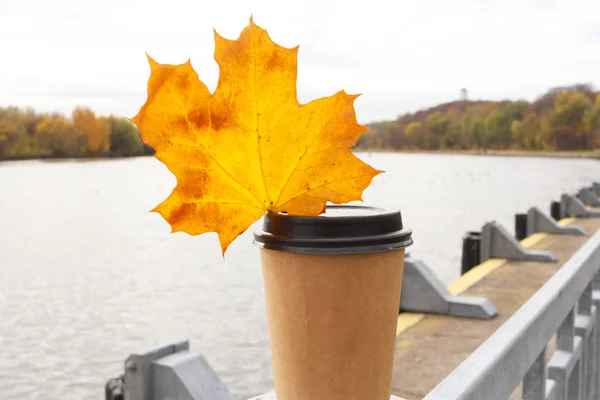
[585,327]
[565,366]
[534,382]
[566,333]
[596,356]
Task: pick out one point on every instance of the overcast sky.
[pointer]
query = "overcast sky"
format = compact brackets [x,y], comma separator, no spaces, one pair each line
[401,55]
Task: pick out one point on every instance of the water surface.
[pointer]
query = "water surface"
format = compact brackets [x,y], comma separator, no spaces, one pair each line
[87,275]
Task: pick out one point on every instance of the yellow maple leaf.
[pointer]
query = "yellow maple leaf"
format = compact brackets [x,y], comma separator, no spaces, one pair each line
[250,147]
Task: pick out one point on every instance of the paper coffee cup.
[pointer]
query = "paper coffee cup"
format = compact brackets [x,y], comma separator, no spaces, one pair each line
[332,288]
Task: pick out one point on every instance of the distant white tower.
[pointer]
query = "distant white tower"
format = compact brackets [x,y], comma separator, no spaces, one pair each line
[463,94]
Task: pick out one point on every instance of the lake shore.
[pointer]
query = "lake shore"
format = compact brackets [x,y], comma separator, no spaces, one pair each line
[585,154]
[97,157]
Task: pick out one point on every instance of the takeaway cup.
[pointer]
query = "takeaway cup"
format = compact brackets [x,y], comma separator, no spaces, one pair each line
[332,289]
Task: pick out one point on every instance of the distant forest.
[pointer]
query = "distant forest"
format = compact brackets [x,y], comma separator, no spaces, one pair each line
[564,118]
[27,134]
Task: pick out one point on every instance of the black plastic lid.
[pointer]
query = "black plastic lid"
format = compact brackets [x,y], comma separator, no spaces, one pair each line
[342,229]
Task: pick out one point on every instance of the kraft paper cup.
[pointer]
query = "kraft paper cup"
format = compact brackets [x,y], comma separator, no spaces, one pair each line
[332,288]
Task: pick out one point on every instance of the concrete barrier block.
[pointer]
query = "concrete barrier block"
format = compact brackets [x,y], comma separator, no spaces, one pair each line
[497,242]
[423,292]
[138,368]
[572,206]
[171,371]
[589,197]
[187,376]
[537,221]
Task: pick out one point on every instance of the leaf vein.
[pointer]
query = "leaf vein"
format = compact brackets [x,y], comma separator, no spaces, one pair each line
[262,171]
[306,150]
[325,184]
[229,174]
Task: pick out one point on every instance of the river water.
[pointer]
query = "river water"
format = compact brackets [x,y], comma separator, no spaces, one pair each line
[87,275]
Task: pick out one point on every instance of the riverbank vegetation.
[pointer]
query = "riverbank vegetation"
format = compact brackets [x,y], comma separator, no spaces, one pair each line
[26,134]
[565,118]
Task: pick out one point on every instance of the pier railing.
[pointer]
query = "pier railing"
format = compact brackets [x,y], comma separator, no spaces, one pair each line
[550,346]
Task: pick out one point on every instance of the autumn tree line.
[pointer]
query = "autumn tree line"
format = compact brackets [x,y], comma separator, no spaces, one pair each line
[566,118]
[27,134]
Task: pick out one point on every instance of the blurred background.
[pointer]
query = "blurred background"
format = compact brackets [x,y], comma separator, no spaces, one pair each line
[477,110]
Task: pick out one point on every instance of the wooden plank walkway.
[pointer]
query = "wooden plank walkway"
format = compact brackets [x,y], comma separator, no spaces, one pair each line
[434,346]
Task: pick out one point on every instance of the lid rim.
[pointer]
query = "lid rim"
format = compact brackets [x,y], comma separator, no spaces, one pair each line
[363,229]
[263,236]
[380,248]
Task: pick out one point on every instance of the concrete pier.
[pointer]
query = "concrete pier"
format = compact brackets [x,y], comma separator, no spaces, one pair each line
[430,347]
[540,342]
